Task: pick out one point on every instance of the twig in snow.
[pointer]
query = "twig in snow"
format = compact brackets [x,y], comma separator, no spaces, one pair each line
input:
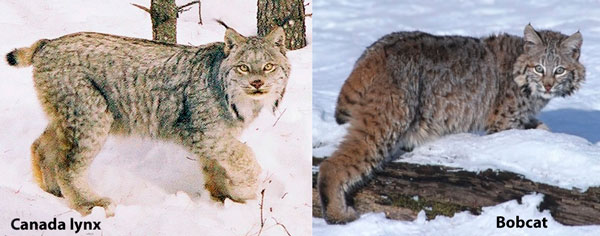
[19,190]
[279,116]
[285,194]
[269,175]
[262,220]
[283,226]
[57,215]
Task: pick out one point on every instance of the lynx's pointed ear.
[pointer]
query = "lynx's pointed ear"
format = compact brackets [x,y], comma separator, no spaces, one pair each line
[532,38]
[232,40]
[573,44]
[277,36]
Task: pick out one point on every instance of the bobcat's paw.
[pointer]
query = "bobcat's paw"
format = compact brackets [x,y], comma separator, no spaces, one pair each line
[340,215]
[542,126]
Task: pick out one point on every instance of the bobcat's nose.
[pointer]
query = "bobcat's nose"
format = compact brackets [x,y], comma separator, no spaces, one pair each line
[547,87]
[257,83]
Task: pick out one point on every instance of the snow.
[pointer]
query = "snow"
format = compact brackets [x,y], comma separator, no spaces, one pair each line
[568,157]
[555,159]
[158,189]
[462,223]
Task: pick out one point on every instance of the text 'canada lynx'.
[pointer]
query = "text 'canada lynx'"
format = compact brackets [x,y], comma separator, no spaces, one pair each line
[92,84]
[411,87]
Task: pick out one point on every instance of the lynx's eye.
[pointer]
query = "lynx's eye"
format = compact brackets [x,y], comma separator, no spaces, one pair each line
[243,68]
[539,69]
[559,70]
[268,67]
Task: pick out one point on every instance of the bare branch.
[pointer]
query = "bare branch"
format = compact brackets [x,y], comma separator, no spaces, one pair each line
[181,8]
[262,220]
[141,7]
[283,226]
[184,10]
[279,117]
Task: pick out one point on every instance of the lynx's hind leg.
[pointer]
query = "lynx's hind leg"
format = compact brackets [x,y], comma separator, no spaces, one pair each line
[44,154]
[82,123]
[230,170]
[375,135]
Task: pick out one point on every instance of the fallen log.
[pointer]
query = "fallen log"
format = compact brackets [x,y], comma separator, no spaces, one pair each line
[402,190]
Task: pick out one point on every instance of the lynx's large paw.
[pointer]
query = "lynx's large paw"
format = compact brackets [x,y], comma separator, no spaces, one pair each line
[85,207]
[242,173]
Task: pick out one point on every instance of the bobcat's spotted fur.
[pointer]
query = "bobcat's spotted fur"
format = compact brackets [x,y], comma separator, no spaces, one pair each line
[411,87]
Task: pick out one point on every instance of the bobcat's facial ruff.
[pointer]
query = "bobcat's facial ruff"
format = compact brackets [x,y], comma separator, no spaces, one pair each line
[411,87]
[91,85]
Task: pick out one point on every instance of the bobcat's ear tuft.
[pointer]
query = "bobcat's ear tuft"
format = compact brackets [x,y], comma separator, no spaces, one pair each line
[532,38]
[232,40]
[277,37]
[573,44]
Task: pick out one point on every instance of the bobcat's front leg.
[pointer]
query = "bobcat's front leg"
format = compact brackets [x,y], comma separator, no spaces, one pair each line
[536,124]
[229,167]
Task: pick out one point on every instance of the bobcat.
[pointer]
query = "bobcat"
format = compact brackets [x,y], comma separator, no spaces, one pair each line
[92,85]
[412,87]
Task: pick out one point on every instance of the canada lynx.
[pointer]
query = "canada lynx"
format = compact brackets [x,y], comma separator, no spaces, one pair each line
[93,84]
[411,87]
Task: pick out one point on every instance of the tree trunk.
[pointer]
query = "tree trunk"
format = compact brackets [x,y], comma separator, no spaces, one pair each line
[164,20]
[445,191]
[288,14]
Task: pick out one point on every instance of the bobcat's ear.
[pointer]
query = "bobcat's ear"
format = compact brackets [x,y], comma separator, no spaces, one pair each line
[232,40]
[532,38]
[277,37]
[573,44]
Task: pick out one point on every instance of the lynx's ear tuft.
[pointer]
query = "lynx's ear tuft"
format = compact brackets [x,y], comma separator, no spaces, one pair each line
[277,37]
[573,44]
[532,38]
[232,40]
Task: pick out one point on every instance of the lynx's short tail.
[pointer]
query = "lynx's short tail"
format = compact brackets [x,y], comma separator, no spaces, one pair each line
[22,57]
[367,67]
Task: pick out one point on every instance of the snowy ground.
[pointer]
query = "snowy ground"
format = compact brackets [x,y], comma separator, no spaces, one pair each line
[157,189]
[568,157]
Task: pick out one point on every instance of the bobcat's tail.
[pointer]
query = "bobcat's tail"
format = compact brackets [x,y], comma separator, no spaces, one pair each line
[22,57]
[367,67]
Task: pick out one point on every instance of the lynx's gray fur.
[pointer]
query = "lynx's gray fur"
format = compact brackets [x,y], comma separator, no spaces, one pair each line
[412,87]
[93,84]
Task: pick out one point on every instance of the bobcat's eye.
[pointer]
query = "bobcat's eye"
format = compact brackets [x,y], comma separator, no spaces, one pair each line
[268,67]
[539,69]
[243,68]
[559,70]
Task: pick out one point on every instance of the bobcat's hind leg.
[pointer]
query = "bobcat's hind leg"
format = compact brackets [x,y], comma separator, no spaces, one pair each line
[82,124]
[44,153]
[375,134]
[230,170]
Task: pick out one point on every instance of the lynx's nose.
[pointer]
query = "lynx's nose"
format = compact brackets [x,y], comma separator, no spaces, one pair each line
[257,83]
[547,87]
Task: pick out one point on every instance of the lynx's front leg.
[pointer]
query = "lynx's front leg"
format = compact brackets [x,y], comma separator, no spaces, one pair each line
[230,168]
